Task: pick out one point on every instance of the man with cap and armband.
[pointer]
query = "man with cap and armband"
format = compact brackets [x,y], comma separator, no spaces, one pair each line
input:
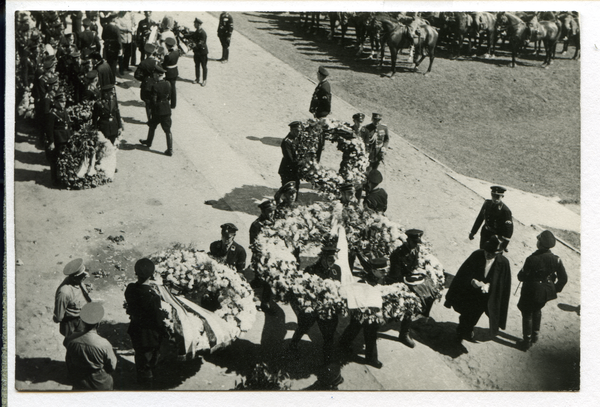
[543,275]
[404,264]
[146,328]
[481,284]
[70,298]
[267,209]
[145,74]
[90,358]
[224,33]
[288,169]
[320,104]
[200,49]
[376,198]
[161,110]
[170,65]
[228,251]
[496,219]
[325,268]
[376,138]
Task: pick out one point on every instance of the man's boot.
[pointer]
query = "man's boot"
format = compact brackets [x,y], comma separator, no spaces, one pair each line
[405,332]
[525,344]
[149,139]
[169,151]
[537,321]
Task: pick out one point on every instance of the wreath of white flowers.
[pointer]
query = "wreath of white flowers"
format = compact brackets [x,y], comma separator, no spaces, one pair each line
[303,229]
[354,162]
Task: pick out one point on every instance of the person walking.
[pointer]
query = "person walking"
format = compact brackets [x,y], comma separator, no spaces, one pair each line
[543,276]
[224,32]
[145,74]
[161,110]
[496,219]
[200,49]
[70,298]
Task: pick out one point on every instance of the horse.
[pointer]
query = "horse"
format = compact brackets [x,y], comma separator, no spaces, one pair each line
[341,19]
[423,36]
[395,35]
[310,21]
[570,32]
[362,27]
[485,24]
[548,32]
[516,30]
[460,27]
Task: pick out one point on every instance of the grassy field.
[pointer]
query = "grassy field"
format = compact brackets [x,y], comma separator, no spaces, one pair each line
[516,127]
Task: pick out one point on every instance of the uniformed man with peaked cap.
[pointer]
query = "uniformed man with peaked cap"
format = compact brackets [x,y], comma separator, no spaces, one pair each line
[376,138]
[376,198]
[228,251]
[320,104]
[288,169]
[496,219]
[70,298]
[267,209]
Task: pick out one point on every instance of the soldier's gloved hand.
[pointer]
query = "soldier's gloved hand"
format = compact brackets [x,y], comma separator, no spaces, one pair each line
[471,236]
[476,283]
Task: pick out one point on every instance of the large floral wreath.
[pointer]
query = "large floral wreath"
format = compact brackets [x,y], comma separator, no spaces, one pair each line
[304,228]
[354,160]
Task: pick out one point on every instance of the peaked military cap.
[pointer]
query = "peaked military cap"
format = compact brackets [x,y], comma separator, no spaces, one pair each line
[92,74]
[74,267]
[197,20]
[323,71]
[170,41]
[49,63]
[288,186]
[295,123]
[144,268]
[379,263]
[60,97]
[547,239]
[159,69]
[375,177]
[414,234]
[150,48]
[360,116]
[497,190]
[329,250]
[108,87]
[376,116]
[52,79]
[268,204]
[229,227]
[75,54]
[92,313]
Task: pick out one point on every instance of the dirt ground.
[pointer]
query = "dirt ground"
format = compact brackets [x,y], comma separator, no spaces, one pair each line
[227,137]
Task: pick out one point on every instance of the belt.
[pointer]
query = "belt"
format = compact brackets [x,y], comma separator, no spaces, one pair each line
[171,66]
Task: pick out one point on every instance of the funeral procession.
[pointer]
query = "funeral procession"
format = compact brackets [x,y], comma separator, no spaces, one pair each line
[289,200]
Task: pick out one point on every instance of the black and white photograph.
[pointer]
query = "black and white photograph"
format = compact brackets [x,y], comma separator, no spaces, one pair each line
[382,198]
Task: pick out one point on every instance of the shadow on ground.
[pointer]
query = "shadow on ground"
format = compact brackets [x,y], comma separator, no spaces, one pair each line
[40,370]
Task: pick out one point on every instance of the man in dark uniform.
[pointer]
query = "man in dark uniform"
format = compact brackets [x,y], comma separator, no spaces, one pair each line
[146,329]
[320,104]
[92,91]
[404,263]
[288,169]
[482,284]
[58,132]
[161,110]
[107,115]
[325,268]
[170,65]
[88,39]
[70,298]
[200,49]
[267,209]
[224,33]
[143,32]
[543,275]
[370,329]
[227,251]
[285,197]
[376,198]
[145,74]
[90,358]
[357,119]
[498,220]
[105,74]
[113,47]
[376,138]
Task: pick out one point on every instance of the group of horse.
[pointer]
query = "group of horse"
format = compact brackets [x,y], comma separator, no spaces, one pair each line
[422,32]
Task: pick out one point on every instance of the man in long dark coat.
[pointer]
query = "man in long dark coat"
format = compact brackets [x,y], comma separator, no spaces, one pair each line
[227,250]
[320,104]
[267,209]
[288,169]
[482,284]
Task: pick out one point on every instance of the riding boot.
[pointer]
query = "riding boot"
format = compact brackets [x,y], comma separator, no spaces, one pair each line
[149,138]
[405,332]
[169,144]
[537,321]
[525,344]
[148,112]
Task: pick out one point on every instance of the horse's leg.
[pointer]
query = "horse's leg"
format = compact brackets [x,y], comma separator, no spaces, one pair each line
[515,47]
[382,54]
[431,57]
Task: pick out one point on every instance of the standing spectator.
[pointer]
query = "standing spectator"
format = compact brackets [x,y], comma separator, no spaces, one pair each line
[58,132]
[200,49]
[543,275]
[224,33]
[70,298]
[90,358]
[496,219]
[113,49]
[93,17]
[161,110]
[143,32]
[88,39]
[288,169]
[125,23]
[482,284]
[376,138]
[320,104]
[227,250]
[107,115]
[146,329]
[170,65]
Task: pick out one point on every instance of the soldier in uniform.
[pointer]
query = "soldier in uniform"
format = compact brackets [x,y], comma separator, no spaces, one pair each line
[143,32]
[58,132]
[70,298]
[320,104]
[543,275]
[145,74]
[285,197]
[224,33]
[170,65]
[113,46]
[288,169]
[357,119]
[227,251]
[88,39]
[481,284]
[376,198]
[161,110]
[107,115]
[105,74]
[92,91]
[347,192]
[146,328]
[90,358]
[325,268]
[267,209]
[404,262]
[498,220]
[200,49]
[376,138]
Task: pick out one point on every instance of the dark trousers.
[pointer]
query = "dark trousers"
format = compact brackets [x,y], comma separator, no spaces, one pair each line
[142,53]
[201,60]
[370,336]
[468,319]
[53,156]
[124,59]
[225,42]
[71,325]
[326,326]
[165,122]
[133,54]
[146,360]
[173,81]
[532,320]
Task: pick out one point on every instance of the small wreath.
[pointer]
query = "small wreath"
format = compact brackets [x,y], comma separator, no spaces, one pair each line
[354,159]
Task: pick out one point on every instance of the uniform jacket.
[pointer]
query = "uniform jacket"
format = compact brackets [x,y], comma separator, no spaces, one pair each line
[68,300]
[498,219]
[58,126]
[543,275]
[377,200]
[105,74]
[111,35]
[320,105]
[145,74]
[375,137]
[225,25]
[143,306]
[256,227]
[170,64]
[403,261]
[90,360]
[161,98]
[333,273]
[199,39]
[234,257]
[289,162]
[108,116]
[463,296]
[89,40]
[143,31]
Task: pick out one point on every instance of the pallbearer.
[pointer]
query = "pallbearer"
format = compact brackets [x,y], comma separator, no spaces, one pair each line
[267,209]
[228,251]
